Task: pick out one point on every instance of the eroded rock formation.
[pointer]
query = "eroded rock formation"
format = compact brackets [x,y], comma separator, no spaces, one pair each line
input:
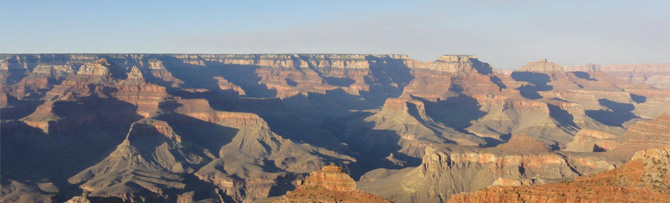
[329,184]
[241,128]
[646,178]
[448,170]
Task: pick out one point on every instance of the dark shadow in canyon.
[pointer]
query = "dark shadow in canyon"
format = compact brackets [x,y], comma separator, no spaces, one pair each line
[492,142]
[617,114]
[583,75]
[284,184]
[496,80]
[371,149]
[638,98]
[16,69]
[387,79]
[302,116]
[195,76]
[322,73]
[291,83]
[538,82]
[455,112]
[192,130]
[17,109]
[480,67]
[340,82]
[83,135]
[563,117]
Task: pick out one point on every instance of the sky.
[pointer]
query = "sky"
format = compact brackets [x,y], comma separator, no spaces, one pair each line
[504,33]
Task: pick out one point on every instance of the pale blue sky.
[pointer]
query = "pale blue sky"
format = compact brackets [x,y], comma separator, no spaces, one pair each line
[505,33]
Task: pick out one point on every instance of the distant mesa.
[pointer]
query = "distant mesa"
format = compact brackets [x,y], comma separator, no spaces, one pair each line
[542,66]
[246,127]
[656,75]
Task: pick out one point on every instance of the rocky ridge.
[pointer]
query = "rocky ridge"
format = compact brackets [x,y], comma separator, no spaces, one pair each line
[285,115]
[448,170]
[645,178]
[653,74]
[329,184]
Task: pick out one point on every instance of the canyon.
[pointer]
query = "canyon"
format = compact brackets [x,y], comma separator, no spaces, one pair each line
[325,127]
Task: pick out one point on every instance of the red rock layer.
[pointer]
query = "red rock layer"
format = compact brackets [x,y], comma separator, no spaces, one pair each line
[644,179]
[329,185]
[643,135]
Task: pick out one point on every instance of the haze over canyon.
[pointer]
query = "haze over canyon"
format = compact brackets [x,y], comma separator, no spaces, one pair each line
[329,128]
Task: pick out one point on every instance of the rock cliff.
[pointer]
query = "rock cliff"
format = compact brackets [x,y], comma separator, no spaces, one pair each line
[448,170]
[645,179]
[243,127]
[642,135]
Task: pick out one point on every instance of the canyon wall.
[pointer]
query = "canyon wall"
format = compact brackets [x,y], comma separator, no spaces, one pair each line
[245,127]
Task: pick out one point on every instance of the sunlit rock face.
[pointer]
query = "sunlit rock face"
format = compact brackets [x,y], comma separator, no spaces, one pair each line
[329,184]
[246,127]
[446,170]
[645,178]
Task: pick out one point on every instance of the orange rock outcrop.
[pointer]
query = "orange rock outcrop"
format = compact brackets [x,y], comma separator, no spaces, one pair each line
[329,184]
[646,178]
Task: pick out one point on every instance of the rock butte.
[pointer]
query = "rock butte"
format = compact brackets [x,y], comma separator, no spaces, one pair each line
[329,185]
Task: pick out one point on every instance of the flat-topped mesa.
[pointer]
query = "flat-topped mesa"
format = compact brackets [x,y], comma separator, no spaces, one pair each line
[200,109]
[446,63]
[542,66]
[453,64]
[347,61]
[456,58]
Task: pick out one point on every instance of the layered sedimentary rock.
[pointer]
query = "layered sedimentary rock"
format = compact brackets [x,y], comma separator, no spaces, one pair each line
[643,179]
[574,101]
[329,184]
[642,135]
[235,128]
[653,74]
[448,170]
[588,140]
[151,160]
[407,123]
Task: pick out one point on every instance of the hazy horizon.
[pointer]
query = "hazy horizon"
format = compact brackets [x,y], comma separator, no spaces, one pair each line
[506,35]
